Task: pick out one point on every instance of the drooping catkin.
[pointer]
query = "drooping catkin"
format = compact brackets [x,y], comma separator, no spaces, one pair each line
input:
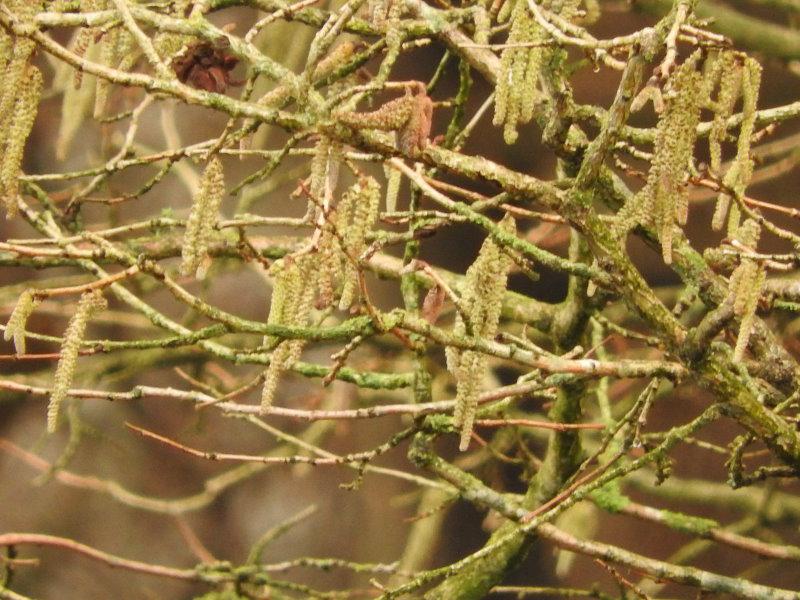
[16,54]
[726,75]
[357,215]
[203,217]
[663,201]
[291,305]
[20,126]
[517,88]
[330,264]
[14,80]
[116,46]
[481,298]
[15,328]
[738,176]
[745,285]
[90,304]
[324,177]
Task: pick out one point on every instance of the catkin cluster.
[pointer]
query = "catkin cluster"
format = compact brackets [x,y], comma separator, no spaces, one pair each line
[724,82]
[481,300]
[291,305]
[89,304]
[664,199]
[324,178]
[203,217]
[743,78]
[19,103]
[15,328]
[520,67]
[341,232]
[745,285]
[356,215]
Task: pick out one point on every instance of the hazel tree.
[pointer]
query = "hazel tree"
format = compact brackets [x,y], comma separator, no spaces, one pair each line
[201,197]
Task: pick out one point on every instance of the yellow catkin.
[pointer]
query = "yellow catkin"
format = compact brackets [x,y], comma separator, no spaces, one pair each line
[202,219]
[15,328]
[324,177]
[745,286]
[24,115]
[362,201]
[517,90]
[291,305]
[740,172]
[663,201]
[16,63]
[330,265]
[748,313]
[481,298]
[14,75]
[89,304]
[729,69]
[287,288]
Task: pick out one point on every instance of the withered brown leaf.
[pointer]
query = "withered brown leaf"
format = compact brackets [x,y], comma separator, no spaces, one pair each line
[433,303]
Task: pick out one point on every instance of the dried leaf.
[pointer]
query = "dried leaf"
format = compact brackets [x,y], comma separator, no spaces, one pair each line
[433,303]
